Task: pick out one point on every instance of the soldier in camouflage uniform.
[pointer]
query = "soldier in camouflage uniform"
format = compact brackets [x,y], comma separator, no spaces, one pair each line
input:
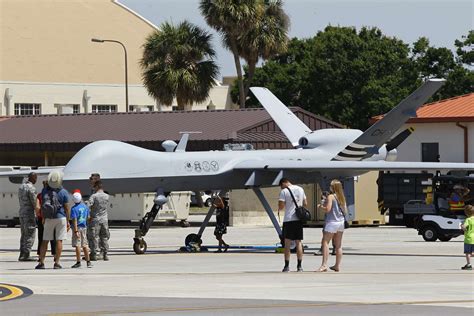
[98,230]
[28,207]
[92,180]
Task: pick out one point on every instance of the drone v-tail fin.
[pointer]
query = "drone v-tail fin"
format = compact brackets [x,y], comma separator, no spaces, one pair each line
[286,120]
[382,131]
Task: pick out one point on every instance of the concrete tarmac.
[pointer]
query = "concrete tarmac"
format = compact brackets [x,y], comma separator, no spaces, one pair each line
[385,270]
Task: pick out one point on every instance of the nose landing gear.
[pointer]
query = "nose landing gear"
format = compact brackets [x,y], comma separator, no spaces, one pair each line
[139,243]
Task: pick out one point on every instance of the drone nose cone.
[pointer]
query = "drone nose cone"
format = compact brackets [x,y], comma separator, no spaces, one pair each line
[111,159]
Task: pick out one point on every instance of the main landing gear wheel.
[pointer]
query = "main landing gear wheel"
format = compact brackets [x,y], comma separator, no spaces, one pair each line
[192,238]
[139,246]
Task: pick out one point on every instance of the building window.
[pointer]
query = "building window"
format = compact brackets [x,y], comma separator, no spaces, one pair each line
[174,108]
[429,152]
[133,108]
[27,109]
[104,108]
[67,108]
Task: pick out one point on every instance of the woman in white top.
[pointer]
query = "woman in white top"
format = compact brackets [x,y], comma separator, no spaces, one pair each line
[335,208]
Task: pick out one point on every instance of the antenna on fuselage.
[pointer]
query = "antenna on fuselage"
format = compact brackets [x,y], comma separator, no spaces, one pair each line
[183,142]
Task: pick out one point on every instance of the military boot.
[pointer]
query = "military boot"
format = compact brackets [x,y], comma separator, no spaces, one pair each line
[22,256]
[106,258]
[92,257]
[25,257]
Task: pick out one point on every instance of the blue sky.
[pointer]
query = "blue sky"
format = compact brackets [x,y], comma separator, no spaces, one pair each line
[442,21]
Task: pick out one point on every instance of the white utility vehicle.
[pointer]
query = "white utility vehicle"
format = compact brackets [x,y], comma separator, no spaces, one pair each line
[439,220]
[433,227]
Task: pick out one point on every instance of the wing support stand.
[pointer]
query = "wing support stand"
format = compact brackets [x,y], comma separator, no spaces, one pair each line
[269,211]
[196,238]
[139,243]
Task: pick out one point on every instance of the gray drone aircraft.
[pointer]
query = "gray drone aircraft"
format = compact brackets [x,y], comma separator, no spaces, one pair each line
[318,156]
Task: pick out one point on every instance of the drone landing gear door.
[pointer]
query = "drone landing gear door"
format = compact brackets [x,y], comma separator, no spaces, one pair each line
[269,211]
[349,192]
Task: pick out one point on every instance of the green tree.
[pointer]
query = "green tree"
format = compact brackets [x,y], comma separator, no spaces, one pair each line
[284,74]
[349,76]
[442,63]
[229,18]
[342,74]
[432,61]
[357,75]
[461,79]
[178,63]
[465,49]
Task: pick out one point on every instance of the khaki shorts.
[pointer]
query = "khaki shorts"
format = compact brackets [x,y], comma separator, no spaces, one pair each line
[80,241]
[55,227]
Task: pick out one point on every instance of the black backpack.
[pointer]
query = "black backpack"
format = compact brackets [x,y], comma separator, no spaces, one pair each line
[51,205]
[302,213]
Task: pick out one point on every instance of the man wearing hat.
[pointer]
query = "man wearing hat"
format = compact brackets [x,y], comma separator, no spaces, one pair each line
[58,225]
[98,230]
[456,201]
[27,199]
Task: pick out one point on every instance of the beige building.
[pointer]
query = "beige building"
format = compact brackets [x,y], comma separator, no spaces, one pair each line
[31,98]
[444,131]
[49,64]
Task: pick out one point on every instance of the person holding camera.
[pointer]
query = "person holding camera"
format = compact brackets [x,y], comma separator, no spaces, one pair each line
[320,251]
[335,208]
[292,225]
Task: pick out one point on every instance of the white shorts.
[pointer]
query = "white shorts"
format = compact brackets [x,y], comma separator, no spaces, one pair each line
[55,227]
[334,227]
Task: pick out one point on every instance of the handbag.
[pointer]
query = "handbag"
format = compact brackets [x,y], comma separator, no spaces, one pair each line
[346,223]
[301,212]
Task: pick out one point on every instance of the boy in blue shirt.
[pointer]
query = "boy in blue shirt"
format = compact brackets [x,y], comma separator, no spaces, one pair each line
[79,217]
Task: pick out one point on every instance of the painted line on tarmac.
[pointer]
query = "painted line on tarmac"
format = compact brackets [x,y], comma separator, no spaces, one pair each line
[9,292]
[257,306]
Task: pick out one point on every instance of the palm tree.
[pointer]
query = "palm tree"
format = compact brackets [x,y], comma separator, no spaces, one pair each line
[250,29]
[230,18]
[178,63]
[267,37]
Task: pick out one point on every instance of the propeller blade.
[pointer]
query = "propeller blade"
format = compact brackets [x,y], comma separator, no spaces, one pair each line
[400,138]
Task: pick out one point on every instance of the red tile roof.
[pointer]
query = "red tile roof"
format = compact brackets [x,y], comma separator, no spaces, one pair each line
[457,109]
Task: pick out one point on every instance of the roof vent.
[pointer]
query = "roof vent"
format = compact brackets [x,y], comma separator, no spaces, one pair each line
[211,106]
